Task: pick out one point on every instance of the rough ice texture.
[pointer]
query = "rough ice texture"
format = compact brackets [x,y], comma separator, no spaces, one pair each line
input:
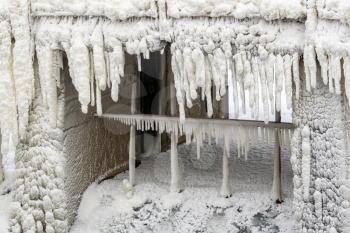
[39,200]
[4,13]
[268,9]
[113,9]
[319,118]
[334,9]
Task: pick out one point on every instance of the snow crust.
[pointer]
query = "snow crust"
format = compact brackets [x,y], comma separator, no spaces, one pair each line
[105,208]
[115,9]
[334,9]
[267,9]
[5,201]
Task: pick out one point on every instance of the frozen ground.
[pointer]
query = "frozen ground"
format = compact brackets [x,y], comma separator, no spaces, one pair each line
[198,208]
[5,199]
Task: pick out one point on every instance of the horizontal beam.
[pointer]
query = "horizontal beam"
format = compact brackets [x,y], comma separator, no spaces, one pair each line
[243,123]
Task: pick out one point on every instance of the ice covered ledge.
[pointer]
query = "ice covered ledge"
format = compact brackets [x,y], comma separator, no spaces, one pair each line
[318,160]
[112,9]
[239,9]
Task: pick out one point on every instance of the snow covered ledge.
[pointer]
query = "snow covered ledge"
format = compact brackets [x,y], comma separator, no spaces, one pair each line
[319,159]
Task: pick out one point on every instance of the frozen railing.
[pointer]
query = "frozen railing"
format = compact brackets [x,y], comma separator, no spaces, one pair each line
[243,133]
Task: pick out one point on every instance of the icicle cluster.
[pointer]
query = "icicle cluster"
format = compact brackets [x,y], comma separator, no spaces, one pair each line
[258,56]
[95,50]
[244,136]
[333,55]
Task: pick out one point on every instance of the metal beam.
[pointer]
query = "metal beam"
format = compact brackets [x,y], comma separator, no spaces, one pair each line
[230,122]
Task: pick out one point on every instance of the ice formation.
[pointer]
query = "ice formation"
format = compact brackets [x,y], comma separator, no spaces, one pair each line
[256,46]
[242,134]
[39,199]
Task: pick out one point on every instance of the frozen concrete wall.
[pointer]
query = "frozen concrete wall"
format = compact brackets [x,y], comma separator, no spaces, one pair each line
[93,146]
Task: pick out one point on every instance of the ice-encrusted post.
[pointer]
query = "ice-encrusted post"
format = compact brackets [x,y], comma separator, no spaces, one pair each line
[225,188]
[132,143]
[277,168]
[175,177]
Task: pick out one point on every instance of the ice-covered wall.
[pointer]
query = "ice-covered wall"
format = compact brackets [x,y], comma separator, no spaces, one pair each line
[94,148]
[319,159]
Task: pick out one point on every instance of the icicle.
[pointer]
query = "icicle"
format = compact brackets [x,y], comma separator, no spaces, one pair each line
[198,61]
[264,91]
[208,78]
[176,68]
[310,67]
[248,77]
[81,68]
[48,82]
[255,95]
[279,81]
[216,68]
[138,56]
[288,80]
[98,101]
[117,63]
[221,67]
[234,89]
[296,77]
[91,79]
[347,77]
[240,77]
[323,60]
[108,69]
[99,59]
[270,63]
[190,73]
[335,73]
[306,160]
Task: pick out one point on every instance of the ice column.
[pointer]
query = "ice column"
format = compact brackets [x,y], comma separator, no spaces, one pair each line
[225,189]
[132,156]
[175,176]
